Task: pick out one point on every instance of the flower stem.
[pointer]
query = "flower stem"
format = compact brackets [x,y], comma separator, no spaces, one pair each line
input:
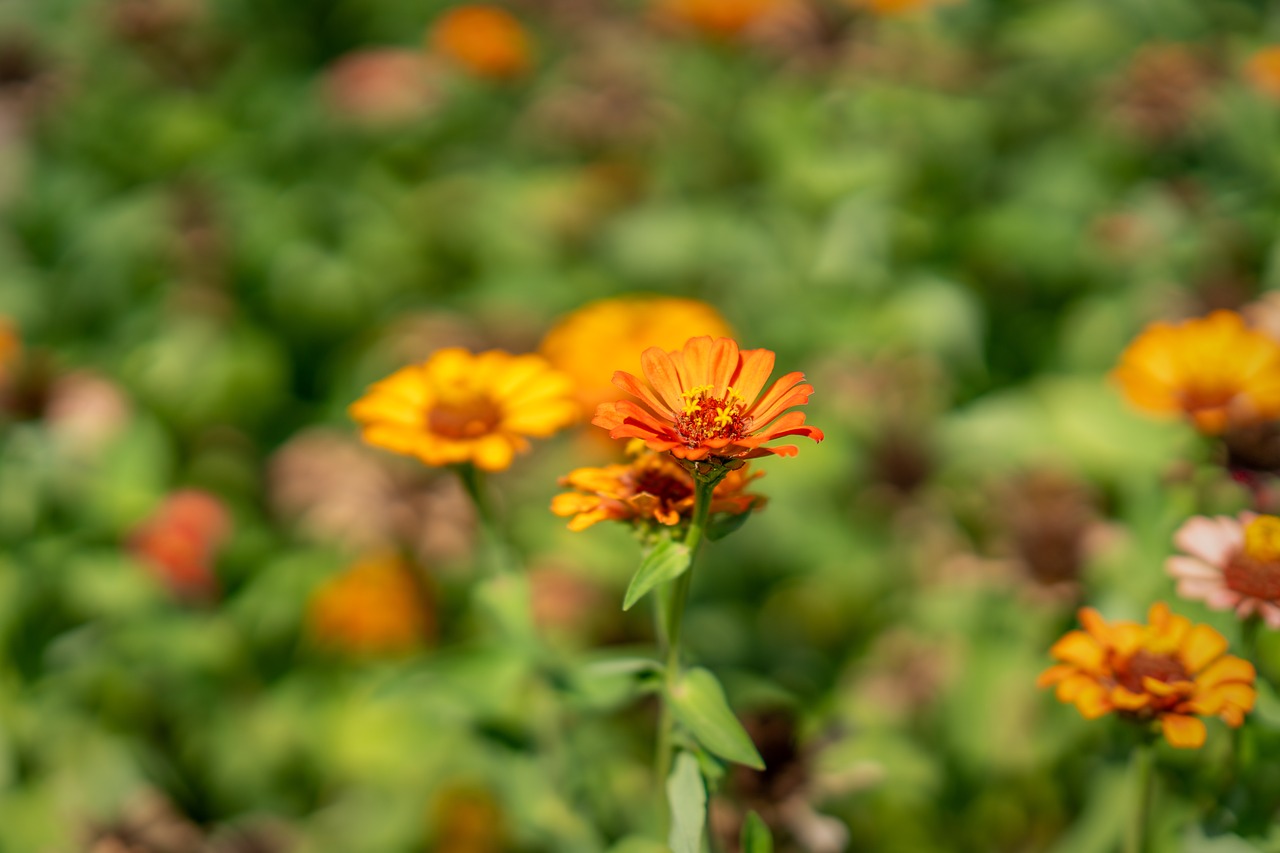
[1143,790]
[670,627]
[501,555]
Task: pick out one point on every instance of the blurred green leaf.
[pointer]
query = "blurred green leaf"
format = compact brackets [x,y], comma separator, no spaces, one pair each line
[669,559]
[699,704]
[687,797]
[755,835]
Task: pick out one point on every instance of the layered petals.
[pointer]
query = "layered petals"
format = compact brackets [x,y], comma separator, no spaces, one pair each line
[704,401]
[459,407]
[1167,671]
[1230,563]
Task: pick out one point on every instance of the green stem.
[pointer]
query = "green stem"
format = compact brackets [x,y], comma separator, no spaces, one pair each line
[675,603]
[502,557]
[1143,790]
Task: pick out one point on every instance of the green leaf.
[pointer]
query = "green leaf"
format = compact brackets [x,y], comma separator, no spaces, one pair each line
[687,797]
[667,560]
[717,530]
[699,705]
[755,835]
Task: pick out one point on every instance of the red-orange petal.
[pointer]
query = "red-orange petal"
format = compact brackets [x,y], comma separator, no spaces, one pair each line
[636,388]
[753,371]
[661,372]
[1182,732]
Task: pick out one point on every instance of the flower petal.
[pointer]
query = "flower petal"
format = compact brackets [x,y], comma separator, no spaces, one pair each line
[1182,732]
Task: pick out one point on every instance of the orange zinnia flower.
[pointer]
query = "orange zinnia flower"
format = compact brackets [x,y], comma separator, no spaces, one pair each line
[705,402]
[719,18]
[890,8]
[458,407]
[485,40]
[374,607]
[1263,71]
[1214,369]
[591,342]
[652,487]
[1168,671]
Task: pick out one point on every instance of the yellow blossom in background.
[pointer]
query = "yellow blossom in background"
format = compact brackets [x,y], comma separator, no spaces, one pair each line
[592,342]
[651,487]
[1263,71]
[1167,671]
[461,407]
[486,41]
[1215,370]
[719,18]
[377,606]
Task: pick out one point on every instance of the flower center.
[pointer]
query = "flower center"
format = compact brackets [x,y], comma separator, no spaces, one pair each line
[1255,571]
[469,417]
[1147,664]
[706,418]
[662,483]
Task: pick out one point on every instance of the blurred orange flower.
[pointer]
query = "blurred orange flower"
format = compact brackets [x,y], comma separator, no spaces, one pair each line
[377,606]
[380,87]
[485,40]
[460,407]
[705,401]
[1263,71]
[652,487]
[1167,671]
[891,8]
[719,18]
[591,342]
[10,349]
[1214,369]
[179,541]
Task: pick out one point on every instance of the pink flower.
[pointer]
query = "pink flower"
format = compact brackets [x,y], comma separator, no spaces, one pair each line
[1231,564]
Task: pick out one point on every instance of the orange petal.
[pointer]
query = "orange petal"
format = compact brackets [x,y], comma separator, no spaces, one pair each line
[1055,674]
[693,362]
[1078,648]
[724,364]
[1183,732]
[1127,700]
[636,388]
[753,371]
[1165,689]
[1200,646]
[1228,668]
[1092,702]
[662,375]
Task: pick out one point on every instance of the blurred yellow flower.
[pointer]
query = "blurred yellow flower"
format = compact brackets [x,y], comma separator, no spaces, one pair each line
[461,407]
[487,41]
[651,487]
[10,349]
[592,342]
[1215,370]
[1167,671]
[1263,71]
[375,607]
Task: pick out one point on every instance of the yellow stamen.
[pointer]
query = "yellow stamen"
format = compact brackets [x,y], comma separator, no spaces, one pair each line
[723,417]
[1262,539]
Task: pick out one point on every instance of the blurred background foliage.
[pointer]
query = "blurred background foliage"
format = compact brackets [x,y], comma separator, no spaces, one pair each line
[227,626]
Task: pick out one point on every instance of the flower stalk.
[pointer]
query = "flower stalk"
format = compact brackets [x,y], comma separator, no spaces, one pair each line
[1143,795]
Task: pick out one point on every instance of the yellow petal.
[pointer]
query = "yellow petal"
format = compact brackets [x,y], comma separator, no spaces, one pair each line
[1200,647]
[1183,732]
[1092,702]
[1228,668]
[1127,700]
[1080,649]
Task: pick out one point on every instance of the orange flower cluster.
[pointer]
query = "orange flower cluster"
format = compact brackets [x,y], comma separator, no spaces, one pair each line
[485,41]
[1167,671]
[376,607]
[1214,370]
[462,408]
[719,18]
[179,541]
[652,487]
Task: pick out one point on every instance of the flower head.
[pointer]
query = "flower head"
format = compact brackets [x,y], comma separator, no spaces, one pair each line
[374,607]
[10,350]
[705,401]
[591,342]
[1215,370]
[1263,71]
[1167,671]
[893,8]
[484,40]
[179,542]
[380,87]
[460,407]
[1231,564]
[652,487]
[719,18]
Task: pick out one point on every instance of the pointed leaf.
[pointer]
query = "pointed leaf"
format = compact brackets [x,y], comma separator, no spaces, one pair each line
[755,835]
[700,706]
[687,798]
[667,560]
[725,525]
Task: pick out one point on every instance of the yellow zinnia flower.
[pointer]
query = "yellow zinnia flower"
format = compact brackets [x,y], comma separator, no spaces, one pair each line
[1168,671]
[601,337]
[651,487]
[374,607]
[1214,369]
[1263,71]
[460,407]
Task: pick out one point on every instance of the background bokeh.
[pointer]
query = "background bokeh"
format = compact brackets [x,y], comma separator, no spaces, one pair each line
[226,625]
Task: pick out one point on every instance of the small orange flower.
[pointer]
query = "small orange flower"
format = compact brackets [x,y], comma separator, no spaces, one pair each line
[1168,671]
[485,40]
[1263,71]
[374,607]
[10,349]
[652,487]
[892,8]
[1214,369]
[459,407]
[719,18]
[591,342]
[179,542]
[705,402]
